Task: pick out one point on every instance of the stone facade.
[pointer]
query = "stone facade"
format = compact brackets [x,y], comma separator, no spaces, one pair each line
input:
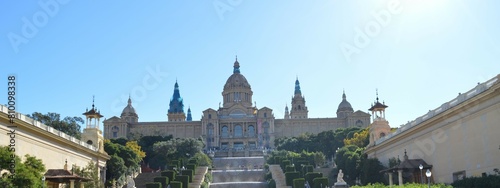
[458,139]
[237,123]
[53,147]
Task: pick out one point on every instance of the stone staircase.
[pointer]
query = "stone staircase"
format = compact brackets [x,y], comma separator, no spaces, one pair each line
[278,176]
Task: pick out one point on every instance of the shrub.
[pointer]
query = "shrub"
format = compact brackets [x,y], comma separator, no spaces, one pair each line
[208,177]
[153,185]
[486,181]
[204,185]
[271,184]
[162,179]
[191,166]
[290,168]
[311,175]
[290,176]
[306,169]
[176,184]
[277,160]
[184,179]
[298,183]
[170,174]
[320,182]
[285,163]
[268,176]
[189,173]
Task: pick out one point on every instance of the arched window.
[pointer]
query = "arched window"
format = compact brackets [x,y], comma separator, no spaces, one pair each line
[238,131]
[251,131]
[265,114]
[209,116]
[299,107]
[225,132]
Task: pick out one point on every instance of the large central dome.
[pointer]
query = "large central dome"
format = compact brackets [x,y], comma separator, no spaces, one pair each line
[236,80]
[237,89]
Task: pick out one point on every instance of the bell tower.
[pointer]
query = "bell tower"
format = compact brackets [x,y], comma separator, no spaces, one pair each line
[380,126]
[299,108]
[176,106]
[92,134]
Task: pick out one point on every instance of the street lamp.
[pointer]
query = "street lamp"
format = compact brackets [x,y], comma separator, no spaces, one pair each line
[428,174]
[421,175]
[43,181]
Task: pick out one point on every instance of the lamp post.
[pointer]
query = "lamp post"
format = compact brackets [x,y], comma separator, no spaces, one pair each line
[43,181]
[421,175]
[428,174]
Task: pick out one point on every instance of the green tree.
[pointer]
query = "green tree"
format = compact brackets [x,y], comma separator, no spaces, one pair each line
[27,174]
[360,138]
[136,148]
[152,159]
[370,171]
[115,169]
[68,125]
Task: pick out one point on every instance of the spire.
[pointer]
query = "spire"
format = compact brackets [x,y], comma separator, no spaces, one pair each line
[343,95]
[376,92]
[236,66]
[93,97]
[189,117]
[297,87]
[176,105]
[129,100]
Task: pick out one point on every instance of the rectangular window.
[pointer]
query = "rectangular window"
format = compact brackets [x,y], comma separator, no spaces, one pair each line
[458,175]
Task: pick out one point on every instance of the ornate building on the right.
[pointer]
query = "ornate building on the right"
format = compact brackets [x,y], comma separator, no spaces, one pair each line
[458,139]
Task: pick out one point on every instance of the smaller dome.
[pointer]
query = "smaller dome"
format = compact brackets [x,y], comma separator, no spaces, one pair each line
[345,105]
[129,109]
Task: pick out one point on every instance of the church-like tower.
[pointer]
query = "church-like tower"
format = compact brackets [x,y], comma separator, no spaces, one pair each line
[189,117]
[128,114]
[287,114]
[345,109]
[380,126]
[299,108]
[92,134]
[176,106]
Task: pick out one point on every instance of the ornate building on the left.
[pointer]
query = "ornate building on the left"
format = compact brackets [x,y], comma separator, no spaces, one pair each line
[237,123]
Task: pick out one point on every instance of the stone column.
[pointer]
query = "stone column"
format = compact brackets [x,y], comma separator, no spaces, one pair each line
[400,177]
[71,183]
[390,178]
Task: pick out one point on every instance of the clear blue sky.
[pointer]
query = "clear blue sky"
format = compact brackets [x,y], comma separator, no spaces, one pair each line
[419,54]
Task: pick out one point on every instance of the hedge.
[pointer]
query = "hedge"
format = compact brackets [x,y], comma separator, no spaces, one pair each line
[298,183]
[306,169]
[191,166]
[153,185]
[290,168]
[320,182]
[170,174]
[162,179]
[189,173]
[184,179]
[290,176]
[311,175]
[175,184]
[285,163]
[271,183]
